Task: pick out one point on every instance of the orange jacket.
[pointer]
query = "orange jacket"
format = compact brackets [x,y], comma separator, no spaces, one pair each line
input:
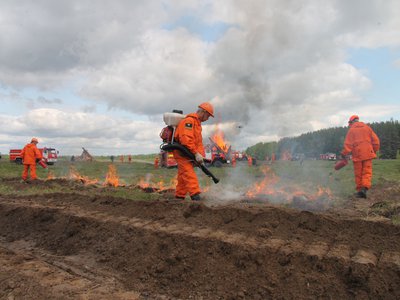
[30,153]
[361,141]
[188,133]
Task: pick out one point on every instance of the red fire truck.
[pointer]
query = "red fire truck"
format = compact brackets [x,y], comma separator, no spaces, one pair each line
[239,155]
[215,156]
[327,156]
[50,155]
[167,160]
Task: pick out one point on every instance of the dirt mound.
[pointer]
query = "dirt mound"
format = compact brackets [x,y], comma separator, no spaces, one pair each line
[66,246]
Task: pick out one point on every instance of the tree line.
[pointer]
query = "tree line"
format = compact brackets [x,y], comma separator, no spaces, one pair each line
[313,144]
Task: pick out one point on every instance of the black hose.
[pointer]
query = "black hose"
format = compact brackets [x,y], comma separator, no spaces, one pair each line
[186,152]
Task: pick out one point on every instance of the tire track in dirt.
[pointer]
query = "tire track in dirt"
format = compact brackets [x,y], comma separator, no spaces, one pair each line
[54,277]
[355,270]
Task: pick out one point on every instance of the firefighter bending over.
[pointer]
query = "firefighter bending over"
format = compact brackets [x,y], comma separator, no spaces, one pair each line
[188,134]
[30,155]
[362,142]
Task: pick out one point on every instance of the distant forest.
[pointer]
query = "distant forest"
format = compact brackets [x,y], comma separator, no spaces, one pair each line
[330,140]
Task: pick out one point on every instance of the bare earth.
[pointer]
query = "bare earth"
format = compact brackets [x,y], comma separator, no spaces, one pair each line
[70,246]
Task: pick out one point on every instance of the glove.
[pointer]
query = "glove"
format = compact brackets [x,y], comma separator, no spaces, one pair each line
[199,157]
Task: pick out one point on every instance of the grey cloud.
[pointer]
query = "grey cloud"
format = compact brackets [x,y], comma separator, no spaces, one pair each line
[44,100]
[89,108]
[49,37]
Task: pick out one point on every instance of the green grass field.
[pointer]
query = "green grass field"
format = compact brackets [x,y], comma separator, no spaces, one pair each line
[310,175]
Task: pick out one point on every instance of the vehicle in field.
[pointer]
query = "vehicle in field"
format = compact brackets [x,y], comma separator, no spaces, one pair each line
[167,160]
[327,156]
[215,155]
[239,155]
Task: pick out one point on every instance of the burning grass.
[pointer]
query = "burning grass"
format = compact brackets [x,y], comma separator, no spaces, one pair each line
[268,188]
[271,189]
[74,175]
[112,179]
[272,184]
[314,185]
[161,186]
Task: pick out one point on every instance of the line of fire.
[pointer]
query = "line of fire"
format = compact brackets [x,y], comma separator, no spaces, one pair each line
[219,153]
[269,189]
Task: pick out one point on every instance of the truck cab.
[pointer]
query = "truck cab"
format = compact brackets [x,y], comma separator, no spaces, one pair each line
[214,157]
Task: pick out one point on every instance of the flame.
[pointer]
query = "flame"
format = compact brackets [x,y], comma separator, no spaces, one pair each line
[219,138]
[112,178]
[271,186]
[206,188]
[74,175]
[159,186]
[266,186]
[50,175]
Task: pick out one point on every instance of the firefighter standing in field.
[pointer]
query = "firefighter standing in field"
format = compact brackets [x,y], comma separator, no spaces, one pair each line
[362,142]
[30,155]
[188,134]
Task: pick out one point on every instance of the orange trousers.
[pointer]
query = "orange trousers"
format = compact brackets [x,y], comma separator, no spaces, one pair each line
[363,173]
[187,178]
[31,167]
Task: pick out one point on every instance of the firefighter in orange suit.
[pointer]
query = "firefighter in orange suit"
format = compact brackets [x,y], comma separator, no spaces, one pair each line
[362,142]
[156,162]
[188,134]
[30,154]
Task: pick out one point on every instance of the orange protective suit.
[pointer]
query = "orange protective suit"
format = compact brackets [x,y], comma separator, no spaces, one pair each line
[29,155]
[362,142]
[188,134]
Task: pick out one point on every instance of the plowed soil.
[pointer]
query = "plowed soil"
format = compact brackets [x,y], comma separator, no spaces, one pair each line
[71,246]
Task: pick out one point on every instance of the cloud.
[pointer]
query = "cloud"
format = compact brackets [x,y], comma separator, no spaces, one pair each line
[70,131]
[278,70]
[168,71]
[48,42]
[45,100]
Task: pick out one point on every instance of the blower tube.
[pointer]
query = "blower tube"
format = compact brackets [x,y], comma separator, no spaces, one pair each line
[185,152]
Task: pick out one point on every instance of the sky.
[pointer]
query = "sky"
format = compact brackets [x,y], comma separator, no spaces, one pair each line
[100,74]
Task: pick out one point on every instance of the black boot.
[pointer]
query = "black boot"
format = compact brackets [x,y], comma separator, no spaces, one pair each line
[362,193]
[195,197]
